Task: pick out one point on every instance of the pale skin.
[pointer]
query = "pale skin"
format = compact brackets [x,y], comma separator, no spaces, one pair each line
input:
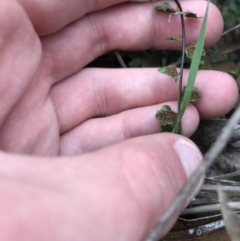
[65,175]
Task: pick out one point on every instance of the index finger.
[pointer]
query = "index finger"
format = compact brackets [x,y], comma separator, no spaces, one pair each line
[128,27]
[50,16]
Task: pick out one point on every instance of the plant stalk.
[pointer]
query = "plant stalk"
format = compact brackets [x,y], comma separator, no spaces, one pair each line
[179,129]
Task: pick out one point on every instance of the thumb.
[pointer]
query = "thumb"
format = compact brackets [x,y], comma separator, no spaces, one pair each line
[116,193]
[135,182]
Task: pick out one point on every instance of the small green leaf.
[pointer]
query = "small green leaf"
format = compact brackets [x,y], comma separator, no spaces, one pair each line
[170,70]
[191,15]
[135,63]
[177,38]
[165,7]
[233,73]
[195,96]
[191,49]
[167,118]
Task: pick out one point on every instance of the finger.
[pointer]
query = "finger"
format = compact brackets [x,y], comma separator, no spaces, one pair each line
[50,16]
[20,53]
[101,132]
[215,101]
[64,11]
[137,179]
[101,92]
[125,27]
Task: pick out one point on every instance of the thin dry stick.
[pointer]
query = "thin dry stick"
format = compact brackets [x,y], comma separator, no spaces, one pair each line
[209,159]
[210,208]
[231,29]
[228,175]
[120,59]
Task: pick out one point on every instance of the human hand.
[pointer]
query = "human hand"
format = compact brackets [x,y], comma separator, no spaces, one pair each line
[49,104]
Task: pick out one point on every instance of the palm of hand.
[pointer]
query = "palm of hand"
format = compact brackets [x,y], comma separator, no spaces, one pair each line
[29,123]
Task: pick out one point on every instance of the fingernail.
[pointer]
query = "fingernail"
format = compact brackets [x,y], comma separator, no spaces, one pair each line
[189,155]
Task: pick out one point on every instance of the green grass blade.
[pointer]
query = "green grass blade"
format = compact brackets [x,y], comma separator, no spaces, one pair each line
[193,70]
